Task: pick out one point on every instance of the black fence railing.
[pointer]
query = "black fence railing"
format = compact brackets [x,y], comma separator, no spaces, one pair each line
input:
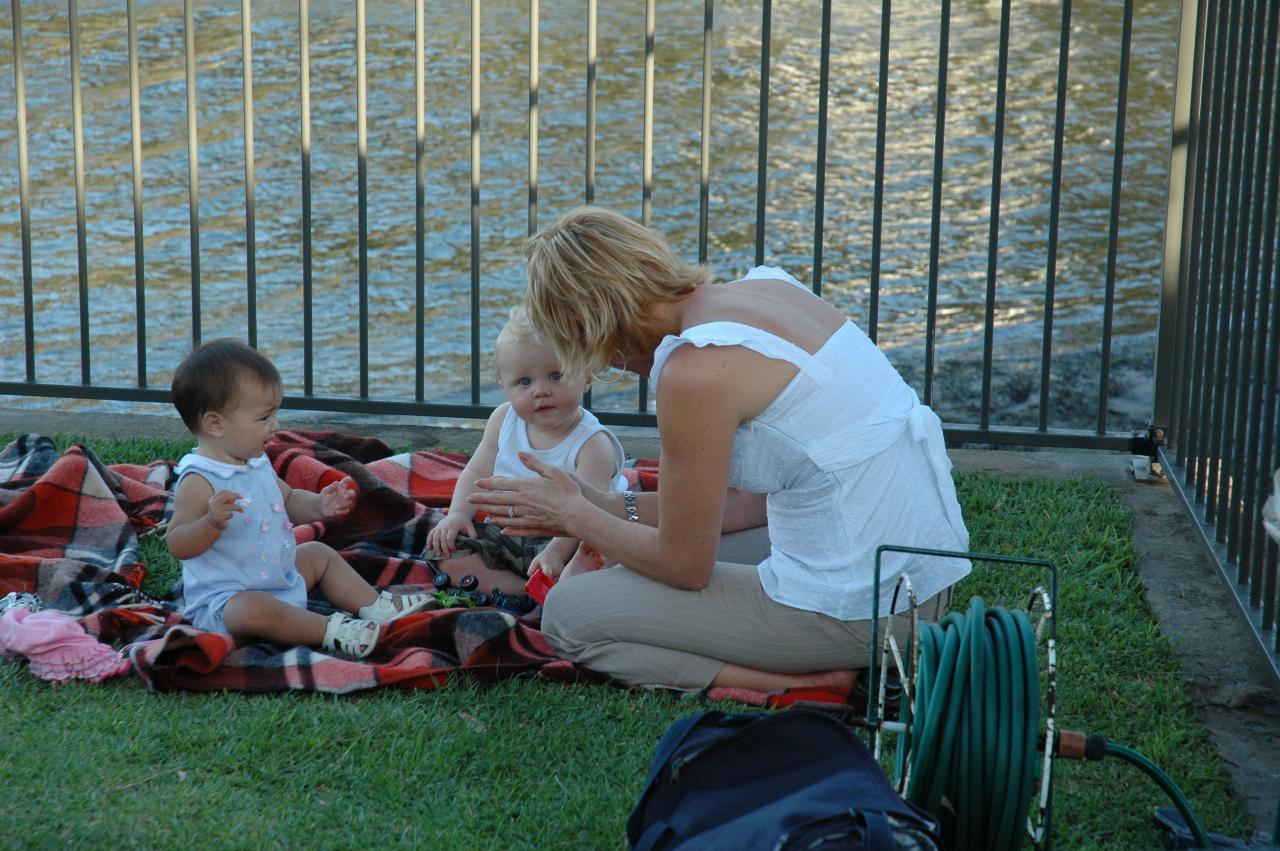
[921,165]
[1220,343]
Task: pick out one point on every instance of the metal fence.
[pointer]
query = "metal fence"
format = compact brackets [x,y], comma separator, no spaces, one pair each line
[989,280]
[1216,362]
[1220,343]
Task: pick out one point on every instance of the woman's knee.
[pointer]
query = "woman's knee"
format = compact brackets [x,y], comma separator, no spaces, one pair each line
[568,617]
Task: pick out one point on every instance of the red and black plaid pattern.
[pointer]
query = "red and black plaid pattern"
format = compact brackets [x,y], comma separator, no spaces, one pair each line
[69,525]
[69,529]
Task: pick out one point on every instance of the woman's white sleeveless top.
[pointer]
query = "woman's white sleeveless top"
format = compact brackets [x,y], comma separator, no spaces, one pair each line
[850,460]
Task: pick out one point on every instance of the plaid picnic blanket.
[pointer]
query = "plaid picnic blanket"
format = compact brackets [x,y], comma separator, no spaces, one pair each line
[69,528]
[69,533]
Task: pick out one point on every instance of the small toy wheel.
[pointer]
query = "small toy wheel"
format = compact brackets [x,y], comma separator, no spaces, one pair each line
[441,581]
[468,583]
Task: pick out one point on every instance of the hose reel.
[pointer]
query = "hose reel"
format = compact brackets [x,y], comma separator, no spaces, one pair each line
[969,746]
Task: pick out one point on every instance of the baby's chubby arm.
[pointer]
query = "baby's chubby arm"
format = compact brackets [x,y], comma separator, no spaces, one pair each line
[461,514]
[199,517]
[333,502]
[596,463]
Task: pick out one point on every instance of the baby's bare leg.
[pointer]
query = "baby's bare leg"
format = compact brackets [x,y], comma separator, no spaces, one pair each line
[339,582]
[253,615]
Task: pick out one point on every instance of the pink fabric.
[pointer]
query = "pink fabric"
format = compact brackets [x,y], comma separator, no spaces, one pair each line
[57,646]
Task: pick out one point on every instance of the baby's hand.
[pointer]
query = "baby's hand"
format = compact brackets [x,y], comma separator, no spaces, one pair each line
[549,561]
[443,538]
[338,498]
[221,506]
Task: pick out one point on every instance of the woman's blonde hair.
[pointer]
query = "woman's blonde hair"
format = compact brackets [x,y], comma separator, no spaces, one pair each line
[593,276]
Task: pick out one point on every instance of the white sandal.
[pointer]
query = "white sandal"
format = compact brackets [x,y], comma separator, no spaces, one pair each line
[353,636]
[383,609]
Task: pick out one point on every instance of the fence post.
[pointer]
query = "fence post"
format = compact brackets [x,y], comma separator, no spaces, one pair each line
[1177,237]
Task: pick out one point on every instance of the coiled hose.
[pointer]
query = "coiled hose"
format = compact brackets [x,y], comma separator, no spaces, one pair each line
[975,730]
[974,727]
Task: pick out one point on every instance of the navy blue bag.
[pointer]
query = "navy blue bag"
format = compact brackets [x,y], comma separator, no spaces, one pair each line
[797,779]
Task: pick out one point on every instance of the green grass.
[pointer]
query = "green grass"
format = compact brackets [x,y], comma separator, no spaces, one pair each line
[529,764]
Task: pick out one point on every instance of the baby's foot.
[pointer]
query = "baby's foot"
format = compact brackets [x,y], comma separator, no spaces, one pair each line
[389,607]
[352,636]
[586,559]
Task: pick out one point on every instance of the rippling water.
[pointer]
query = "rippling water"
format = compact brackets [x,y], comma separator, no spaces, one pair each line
[847,260]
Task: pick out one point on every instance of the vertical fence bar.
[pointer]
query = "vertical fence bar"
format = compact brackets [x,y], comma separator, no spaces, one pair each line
[762,151]
[1220,318]
[77,133]
[135,151]
[250,181]
[362,190]
[935,210]
[820,165]
[993,237]
[1262,571]
[1055,205]
[1262,590]
[1229,339]
[475,201]
[1257,478]
[1113,229]
[1263,413]
[646,131]
[304,93]
[646,158]
[877,210]
[1246,285]
[1207,313]
[591,102]
[1189,252]
[704,141]
[193,164]
[589,190]
[1175,296]
[24,191]
[534,33]
[420,199]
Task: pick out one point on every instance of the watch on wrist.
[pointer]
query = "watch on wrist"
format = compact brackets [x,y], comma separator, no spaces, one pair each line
[629,505]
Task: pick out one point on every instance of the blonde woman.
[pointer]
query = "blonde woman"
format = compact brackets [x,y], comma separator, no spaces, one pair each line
[761,388]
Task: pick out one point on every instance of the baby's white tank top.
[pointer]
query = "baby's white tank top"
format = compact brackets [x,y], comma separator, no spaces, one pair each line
[513,438]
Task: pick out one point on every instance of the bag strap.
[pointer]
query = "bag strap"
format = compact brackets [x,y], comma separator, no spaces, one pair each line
[675,736]
[652,835]
[879,832]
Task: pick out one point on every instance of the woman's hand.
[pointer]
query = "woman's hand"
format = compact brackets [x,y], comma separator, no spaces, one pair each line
[541,505]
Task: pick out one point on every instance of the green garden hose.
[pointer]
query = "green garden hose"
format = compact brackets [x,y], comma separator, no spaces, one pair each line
[974,729]
[1166,783]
